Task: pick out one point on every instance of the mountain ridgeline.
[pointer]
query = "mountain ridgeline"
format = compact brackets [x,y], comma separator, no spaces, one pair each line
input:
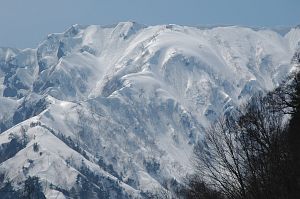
[116,111]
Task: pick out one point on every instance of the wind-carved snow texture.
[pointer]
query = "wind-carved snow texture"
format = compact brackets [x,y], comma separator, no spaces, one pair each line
[123,105]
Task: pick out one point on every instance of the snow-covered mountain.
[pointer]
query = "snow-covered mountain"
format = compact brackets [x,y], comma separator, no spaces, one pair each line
[119,107]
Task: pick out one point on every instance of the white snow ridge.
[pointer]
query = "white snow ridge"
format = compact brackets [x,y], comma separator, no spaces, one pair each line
[120,107]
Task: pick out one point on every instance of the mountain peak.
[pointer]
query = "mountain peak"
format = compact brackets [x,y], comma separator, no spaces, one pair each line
[124,104]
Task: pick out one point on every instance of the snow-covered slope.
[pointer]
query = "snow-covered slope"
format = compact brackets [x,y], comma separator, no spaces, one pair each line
[127,102]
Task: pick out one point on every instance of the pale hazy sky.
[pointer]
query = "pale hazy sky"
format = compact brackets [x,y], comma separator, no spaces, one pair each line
[24,23]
